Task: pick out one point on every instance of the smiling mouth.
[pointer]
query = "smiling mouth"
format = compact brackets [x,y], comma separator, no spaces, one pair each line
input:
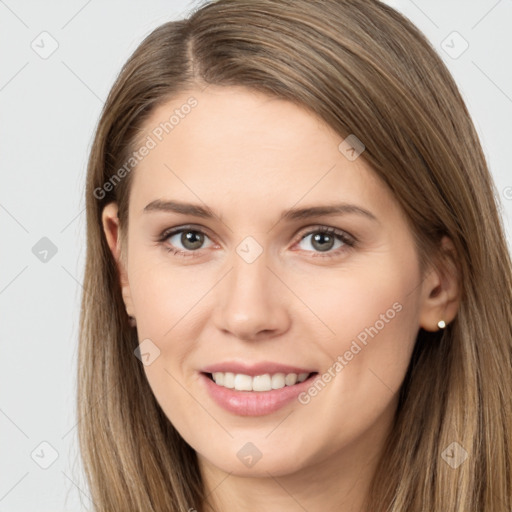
[258,383]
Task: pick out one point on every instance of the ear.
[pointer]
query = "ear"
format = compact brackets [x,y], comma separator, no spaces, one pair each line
[111,227]
[441,289]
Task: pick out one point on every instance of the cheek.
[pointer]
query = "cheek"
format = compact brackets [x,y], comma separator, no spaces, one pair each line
[355,299]
[365,303]
[367,316]
[370,322]
[163,296]
[164,300]
[374,317]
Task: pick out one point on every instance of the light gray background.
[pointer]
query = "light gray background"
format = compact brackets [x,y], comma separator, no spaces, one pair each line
[48,111]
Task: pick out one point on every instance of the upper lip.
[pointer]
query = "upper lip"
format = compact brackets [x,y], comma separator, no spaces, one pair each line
[253,369]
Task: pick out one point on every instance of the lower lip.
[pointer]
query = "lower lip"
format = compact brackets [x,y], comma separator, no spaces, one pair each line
[254,403]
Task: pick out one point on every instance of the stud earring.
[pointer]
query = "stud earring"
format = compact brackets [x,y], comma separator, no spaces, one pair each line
[441,324]
[132,321]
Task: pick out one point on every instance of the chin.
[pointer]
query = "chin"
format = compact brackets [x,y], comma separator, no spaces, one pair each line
[248,462]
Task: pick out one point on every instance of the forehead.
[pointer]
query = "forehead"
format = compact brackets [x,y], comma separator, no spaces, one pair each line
[231,144]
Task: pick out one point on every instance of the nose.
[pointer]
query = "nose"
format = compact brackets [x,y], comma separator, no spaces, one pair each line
[251,302]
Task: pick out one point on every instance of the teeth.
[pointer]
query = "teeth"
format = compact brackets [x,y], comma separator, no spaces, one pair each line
[260,383]
[243,382]
[265,382]
[278,380]
[290,379]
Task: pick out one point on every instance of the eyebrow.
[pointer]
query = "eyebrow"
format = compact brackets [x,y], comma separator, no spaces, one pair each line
[291,214]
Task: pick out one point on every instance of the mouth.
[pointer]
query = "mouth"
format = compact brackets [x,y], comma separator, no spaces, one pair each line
[258,383]
[255,395]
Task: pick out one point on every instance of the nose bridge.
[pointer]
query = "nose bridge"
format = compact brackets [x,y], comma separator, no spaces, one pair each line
[249,276]
[249,284]
[249,299]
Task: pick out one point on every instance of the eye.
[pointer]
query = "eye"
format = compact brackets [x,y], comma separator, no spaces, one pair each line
[324,239]
[184,241]
[326,242]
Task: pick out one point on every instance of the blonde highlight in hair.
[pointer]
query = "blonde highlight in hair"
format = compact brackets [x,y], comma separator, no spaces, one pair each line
[365,70]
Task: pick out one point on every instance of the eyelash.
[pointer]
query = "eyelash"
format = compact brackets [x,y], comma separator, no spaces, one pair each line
[348,240]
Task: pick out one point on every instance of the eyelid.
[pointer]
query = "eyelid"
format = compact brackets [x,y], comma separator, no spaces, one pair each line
[166,233]
[347,238]
[326,229]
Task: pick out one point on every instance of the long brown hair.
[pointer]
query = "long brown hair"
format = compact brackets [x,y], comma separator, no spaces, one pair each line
[365,70]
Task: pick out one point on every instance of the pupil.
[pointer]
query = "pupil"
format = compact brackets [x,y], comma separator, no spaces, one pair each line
[191,239]
[322,238]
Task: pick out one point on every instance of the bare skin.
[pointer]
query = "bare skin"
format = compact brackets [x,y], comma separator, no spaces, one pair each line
[249,157]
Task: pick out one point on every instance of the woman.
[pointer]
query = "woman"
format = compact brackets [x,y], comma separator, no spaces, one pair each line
[297,288]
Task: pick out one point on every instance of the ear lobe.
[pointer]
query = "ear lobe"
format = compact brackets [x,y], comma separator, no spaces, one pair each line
[111,227]
[441,295]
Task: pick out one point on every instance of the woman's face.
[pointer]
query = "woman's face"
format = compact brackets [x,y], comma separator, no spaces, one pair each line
[292,258]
